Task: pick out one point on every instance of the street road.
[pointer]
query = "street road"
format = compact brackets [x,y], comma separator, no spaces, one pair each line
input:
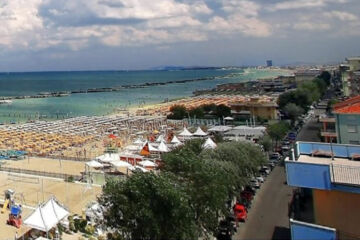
[268,217]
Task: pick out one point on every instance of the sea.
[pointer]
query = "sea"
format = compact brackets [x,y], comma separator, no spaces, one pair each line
[104,103]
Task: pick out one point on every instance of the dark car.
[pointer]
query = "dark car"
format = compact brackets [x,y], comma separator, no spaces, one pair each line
[226,230]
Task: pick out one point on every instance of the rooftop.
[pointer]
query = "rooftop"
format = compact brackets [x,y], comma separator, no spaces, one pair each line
[350,106]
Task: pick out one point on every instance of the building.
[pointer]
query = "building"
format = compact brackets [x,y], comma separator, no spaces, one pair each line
[328,131]
[264,108]
[349,73]
[306,75]
[326,200]
[347,117]
[269,63]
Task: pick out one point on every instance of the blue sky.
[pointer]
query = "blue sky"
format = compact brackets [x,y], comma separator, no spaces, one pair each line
[40,35]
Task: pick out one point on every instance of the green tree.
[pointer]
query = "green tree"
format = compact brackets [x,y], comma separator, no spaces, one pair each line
[277,131]
[222,111]
[311,88]
[209,108]
[148,206]
[266,143]
[178,112]
[197,112]
[326,76]
[293,112]
[298,97]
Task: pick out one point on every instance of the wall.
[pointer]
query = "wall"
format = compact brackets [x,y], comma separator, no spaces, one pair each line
[342,122]
[340,210]
[304,231]
[308,175]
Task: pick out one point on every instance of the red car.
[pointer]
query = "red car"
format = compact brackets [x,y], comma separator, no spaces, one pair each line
[240,212]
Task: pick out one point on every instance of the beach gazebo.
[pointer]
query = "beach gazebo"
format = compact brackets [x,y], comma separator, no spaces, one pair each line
[209,144]
[46,216]
[175,140]
[163,148]
[185,134]
[199,133]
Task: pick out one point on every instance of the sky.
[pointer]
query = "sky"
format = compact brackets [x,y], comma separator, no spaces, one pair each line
[47,35]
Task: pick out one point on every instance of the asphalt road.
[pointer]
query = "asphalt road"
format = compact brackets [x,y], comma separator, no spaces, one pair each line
[310,131]
[268,217]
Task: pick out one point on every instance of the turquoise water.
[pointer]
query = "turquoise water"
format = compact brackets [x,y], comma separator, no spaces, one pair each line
[18,84]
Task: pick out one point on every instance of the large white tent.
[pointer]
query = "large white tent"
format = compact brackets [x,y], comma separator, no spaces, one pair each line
[147,163]
[138,142]
[209,144]
[199,133]
[108,157]
[185,133]
[175,140]
[46,216]
[160,138]
[163,148]
[94,164]
[120,164]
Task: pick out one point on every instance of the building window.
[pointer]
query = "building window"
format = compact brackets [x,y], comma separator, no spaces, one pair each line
[354,142]
[352,129]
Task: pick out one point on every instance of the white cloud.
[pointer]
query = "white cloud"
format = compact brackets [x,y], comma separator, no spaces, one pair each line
[242,7]
[311,26]
[343,16]
[297,4]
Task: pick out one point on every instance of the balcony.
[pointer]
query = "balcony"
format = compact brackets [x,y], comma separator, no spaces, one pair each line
[325,166]
[307,231]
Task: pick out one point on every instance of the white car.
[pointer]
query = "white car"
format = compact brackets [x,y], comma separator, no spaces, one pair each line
[260,179]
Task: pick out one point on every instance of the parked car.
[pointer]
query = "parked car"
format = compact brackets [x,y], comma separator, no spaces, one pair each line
[225,231]
[285,147]
[240,212]
[265,170]
[292,136]
[274,156]
[260,179]
[254,183]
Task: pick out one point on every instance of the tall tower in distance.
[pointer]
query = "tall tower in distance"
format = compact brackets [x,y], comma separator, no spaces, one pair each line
[269,63]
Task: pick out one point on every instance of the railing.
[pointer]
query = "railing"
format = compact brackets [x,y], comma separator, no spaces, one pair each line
[343,174]
[78,159]
[41,173]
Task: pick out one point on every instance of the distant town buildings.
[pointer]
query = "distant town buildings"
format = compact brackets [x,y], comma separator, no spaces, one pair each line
[350,76]
[260,107]
[306,75]
[269,63]
[347,117]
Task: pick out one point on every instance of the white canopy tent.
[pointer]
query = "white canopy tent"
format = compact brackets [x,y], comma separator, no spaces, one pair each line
[175,140]
[47,216]
[152,148]
[163,147]
[147,163]
[108,157]
[185,133]
[160,138]
[199,133]
[133,168]
[94,164]
[209,144]
[120,164]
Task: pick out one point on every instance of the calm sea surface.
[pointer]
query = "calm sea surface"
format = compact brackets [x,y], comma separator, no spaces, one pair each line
[19,84]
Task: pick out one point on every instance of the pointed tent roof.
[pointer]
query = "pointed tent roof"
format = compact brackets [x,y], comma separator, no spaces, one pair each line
[199,132]
[160,138]
[163,148]
[185,133]
[209,144]
[175,140]
[47,216]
